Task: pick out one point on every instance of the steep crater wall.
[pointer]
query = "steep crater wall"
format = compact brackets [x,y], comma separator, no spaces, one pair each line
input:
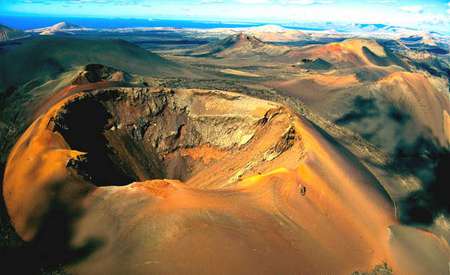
[136,134]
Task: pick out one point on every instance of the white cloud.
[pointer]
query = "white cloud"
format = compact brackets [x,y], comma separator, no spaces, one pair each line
[306,2]
[253,1]
[383,1]
[212,2]
[299,2]
[412,9]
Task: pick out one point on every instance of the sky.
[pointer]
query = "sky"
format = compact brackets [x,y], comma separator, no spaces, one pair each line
[421,14]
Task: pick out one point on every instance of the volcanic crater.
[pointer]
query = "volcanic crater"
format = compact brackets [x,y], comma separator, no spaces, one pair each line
[137,134]
[138,168]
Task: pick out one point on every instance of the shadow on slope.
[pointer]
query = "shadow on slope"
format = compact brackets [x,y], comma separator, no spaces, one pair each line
[429,163]
[413,153]
[390,59]
[344,151]
[52,246]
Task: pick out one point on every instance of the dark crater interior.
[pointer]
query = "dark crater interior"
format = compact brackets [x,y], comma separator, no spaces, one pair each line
[135,135]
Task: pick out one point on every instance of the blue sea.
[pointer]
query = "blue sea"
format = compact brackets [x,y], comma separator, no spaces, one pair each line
[34,22]
[29,22]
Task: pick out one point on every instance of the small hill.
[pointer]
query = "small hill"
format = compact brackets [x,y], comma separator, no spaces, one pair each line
[240,45]
[7,33]
[56,55]
[93,73]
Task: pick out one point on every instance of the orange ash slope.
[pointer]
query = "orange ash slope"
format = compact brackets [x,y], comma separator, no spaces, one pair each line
[354,52]
[252,224]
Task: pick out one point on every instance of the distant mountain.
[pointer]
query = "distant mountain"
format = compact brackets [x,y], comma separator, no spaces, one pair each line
[266,33]
[59,28]
[404,34]
[239,45]
[7,33]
